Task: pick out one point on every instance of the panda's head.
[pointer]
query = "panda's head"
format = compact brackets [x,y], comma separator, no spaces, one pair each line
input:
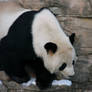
[53,45]
[61,59]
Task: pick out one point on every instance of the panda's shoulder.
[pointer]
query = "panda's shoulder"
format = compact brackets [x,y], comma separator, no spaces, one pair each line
[25,20]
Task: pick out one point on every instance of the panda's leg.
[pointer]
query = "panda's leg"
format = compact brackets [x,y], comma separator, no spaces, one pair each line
[20,79]
[18,73]
[18,76]
[15,68]
[44,79]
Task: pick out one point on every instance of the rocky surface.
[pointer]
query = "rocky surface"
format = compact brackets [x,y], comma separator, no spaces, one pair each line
[75,16]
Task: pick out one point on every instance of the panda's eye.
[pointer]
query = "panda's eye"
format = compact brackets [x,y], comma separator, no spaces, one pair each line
[73,62]
[63,66]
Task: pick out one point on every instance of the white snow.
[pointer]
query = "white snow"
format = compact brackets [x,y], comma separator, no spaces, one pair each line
[30,82]
[1,82]
[54,83]
[62,82]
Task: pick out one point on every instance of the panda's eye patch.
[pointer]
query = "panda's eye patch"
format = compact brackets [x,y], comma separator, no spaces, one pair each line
[73,62]
[63,66]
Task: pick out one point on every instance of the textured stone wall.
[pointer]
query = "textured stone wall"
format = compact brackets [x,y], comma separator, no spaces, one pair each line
[75,16]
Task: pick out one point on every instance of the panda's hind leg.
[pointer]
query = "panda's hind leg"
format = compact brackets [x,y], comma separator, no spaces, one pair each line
[20,79]
[17,72]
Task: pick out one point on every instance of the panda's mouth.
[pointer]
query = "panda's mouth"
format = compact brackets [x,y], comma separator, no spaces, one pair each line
[60,76]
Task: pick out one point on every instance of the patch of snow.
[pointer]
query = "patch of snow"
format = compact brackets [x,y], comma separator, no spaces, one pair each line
[61,82]
[54,83]
[30,82]
[1,82]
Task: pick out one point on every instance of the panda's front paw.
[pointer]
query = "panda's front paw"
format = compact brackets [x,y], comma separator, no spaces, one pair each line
[43,85]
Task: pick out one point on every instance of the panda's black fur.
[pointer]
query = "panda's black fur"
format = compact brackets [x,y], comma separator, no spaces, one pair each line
[16,52]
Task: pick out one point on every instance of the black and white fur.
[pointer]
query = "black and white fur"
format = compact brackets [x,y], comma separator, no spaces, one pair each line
[34,39]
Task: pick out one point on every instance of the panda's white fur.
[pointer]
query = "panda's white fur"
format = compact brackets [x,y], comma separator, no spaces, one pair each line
[45,28]
[50,31]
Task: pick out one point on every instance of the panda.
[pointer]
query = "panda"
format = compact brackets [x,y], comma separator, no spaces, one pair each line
[34,41]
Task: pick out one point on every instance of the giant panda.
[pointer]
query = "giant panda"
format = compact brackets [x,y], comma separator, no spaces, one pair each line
[34,41]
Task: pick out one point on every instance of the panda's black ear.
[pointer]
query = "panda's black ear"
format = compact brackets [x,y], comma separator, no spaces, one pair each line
[72,38]
[50,48]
